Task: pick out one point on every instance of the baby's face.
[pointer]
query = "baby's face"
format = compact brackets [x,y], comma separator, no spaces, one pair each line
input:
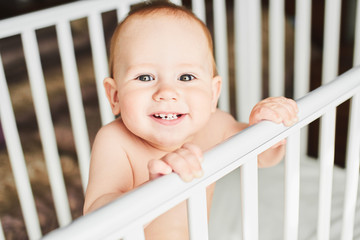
[164,75]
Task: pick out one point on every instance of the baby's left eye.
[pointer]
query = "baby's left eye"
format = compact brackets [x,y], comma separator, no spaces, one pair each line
[186,77]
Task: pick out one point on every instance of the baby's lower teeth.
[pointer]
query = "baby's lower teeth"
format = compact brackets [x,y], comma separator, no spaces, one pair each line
[169,117]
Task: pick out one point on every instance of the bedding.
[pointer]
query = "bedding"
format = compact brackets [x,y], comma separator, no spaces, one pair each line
[226,209]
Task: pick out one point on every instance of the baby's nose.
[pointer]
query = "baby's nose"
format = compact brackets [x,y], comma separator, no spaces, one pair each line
[166,92]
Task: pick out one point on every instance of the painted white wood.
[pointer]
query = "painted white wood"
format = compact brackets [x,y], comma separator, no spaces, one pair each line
[178,2]
[122,12]
[197,215]
[73,94]
[46,127]
[198,7]
[99,54]
[50,16]
[136,234]
[17,160]
[357,37]
[352,169]
[2,236]
[327,153]
[221,52]
[331,40]
[276,48]
[302,48]
[292,187]
[247,56]
[249,199]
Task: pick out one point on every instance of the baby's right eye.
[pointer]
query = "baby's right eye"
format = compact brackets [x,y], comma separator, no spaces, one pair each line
[145,78]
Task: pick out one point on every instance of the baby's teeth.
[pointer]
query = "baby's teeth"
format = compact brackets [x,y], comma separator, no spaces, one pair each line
[167,116]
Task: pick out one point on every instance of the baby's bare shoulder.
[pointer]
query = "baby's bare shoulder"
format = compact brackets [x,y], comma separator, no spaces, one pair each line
[226,123]
[221,126]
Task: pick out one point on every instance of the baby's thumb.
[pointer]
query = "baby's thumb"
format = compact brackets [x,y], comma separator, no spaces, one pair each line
[158,168]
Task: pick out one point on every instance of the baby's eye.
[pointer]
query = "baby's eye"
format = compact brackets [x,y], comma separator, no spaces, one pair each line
[186,77]
[145,78]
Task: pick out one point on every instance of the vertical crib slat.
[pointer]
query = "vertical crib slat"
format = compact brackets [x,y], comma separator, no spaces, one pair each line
[357,37]
[2,236]
[292,187]
[327,149]
[247,56]
[17,160]
[249,200]
[198,7]
[352,169]
[277,49]
[241,75]
[302,56]
[197,215]
[73,94]
[122,12]
[221,50]
[254,52]
[100,63]
[329,72]
[302,48]
[178,2]
[331,40]
[136,234]
[46,127]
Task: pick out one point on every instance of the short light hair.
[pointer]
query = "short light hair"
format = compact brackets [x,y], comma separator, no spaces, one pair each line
[152,7]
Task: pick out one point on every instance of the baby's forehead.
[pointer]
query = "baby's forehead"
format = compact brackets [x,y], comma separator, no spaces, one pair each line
[135,26]
[136,21]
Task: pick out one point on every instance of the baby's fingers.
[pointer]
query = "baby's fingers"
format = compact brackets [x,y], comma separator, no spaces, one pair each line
[158,168]
[186,162]
[275,109]
[193,158]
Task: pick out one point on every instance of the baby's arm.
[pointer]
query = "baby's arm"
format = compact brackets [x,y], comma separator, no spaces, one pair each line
[278,110]
[185,161]
[110,171]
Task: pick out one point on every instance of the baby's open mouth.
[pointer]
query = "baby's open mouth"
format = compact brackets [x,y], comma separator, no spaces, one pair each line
[168,116]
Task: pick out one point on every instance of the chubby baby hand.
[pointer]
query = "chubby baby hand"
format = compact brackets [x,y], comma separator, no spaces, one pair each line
[275,109]
[185,161]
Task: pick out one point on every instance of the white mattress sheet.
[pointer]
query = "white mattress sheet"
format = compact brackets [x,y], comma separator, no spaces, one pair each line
[225,222]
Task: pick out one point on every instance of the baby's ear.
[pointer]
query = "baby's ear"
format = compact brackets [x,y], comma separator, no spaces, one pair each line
[112,95]
[216,89]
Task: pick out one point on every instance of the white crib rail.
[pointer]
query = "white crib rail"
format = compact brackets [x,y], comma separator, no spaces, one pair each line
[141,205]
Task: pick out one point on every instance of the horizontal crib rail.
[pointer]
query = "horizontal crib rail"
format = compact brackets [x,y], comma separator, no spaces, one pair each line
[49,17]
[143,204]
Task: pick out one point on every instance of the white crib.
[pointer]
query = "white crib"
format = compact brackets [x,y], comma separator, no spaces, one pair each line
[125,217]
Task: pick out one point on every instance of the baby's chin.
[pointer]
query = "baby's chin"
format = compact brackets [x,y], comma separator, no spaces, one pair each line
[168,144]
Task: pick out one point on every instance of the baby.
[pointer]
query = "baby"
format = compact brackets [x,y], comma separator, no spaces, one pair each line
[165,87]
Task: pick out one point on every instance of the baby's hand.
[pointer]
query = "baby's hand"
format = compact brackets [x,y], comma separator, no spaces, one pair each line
[185,161]
[275,109]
